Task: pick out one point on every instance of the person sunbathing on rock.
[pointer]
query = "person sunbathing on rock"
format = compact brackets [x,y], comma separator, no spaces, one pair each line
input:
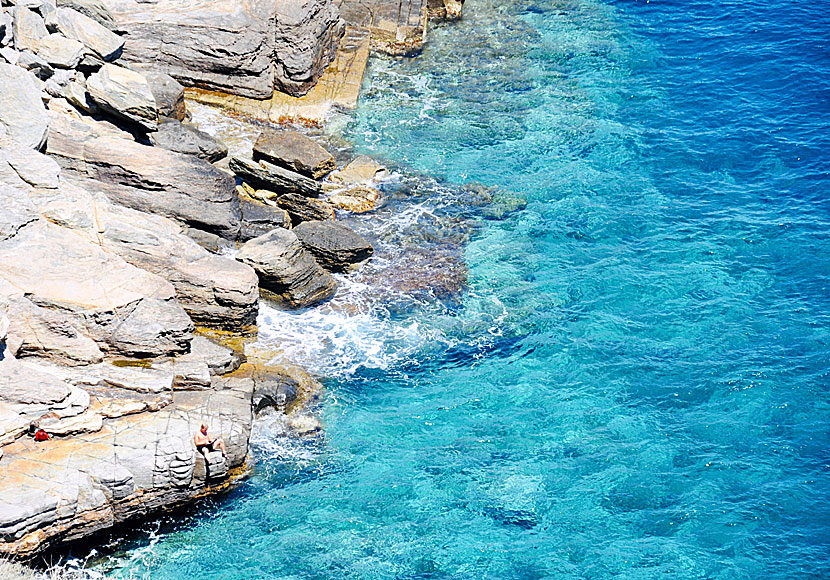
[205,444]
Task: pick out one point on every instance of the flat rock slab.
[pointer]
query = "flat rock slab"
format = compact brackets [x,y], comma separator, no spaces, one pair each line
[274,178]
[22,114]
[356,199]
[125,94]
[294,151]
[286,269]
[335,246]
[29,29]
[175,136]
[303,209]
[99,40]
[362,170]
[94,9]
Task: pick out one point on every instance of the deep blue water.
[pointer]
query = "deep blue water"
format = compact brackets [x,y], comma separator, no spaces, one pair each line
[635,383]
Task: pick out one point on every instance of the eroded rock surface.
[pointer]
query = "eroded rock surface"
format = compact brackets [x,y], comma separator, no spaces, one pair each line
[175,136]
[274,177]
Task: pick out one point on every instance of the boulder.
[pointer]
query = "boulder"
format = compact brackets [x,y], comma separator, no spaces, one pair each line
[335,246]
[125,94]
[29,29]
[241,47]
[169,94]
[182,187]
[286,269]
[215,291]
[58,269]
[294,151]
[76,94]
[274,178]
[60,52]
[94,9]
[99,40]
[22,114]
[306,36]
[303,209]
[361,171]
[259,219]
[6,25]
[175,136]
[358,199]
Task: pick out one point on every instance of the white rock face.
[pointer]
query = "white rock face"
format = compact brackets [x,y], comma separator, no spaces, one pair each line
[22,114]
[99,40]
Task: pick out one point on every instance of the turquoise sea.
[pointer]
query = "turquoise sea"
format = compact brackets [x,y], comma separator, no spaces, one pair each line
[635,382]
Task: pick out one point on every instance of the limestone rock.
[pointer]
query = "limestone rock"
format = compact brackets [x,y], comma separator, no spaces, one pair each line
[124,93]
[169,94]
[335,246]
[306,34]
[287,269]
[29,29]
[16,211]
[33,167]
[219,359]
[118,305]
[303,209]
[358,199]
[240,47]
[101,42]
[35,64]
[22,114]
[215,290]
[274,178]
[154,327]
[294,151]
[182,187]
[60,52]
[43,333]
[175,136]
[94,9]
[259,219]
[361,171]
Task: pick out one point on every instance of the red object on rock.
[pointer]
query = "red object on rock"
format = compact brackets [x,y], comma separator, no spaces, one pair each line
[41,435]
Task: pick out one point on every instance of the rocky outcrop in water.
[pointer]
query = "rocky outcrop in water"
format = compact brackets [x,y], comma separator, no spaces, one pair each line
[286,269]
[335,246]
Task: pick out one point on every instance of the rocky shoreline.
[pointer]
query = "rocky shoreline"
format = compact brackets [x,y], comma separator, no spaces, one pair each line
[128,238]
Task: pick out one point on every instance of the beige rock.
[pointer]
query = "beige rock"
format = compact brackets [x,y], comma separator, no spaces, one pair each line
[124,93]
[59,51]
[22,114]
[361,171]
[29,29]
[99,40]
[359,199]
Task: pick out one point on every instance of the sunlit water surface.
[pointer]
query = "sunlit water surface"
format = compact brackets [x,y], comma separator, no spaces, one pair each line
[634,383]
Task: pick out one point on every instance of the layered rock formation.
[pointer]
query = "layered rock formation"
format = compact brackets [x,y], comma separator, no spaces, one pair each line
[242,47]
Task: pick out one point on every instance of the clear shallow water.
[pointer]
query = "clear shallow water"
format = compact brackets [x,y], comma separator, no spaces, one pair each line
[635,383]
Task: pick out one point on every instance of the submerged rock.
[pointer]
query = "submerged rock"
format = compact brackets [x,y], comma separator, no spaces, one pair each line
[335,246]
[361,171]
[294,151]
[181,138]
[286,269]
[358,199]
